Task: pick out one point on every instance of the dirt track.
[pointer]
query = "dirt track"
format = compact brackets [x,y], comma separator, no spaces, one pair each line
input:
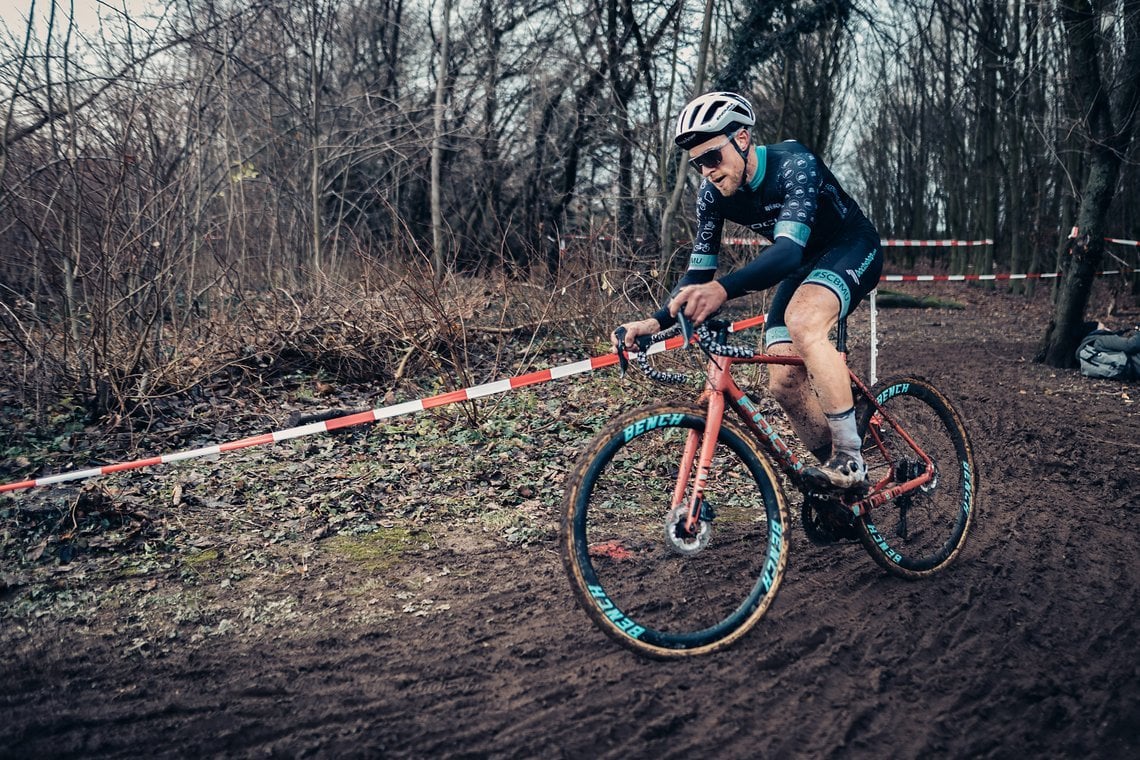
[1027,647]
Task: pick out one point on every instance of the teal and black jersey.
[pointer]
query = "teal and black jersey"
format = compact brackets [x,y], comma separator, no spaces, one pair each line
[793,195]
[794,200]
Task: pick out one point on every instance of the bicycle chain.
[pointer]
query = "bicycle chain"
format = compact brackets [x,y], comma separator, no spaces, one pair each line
[825,523]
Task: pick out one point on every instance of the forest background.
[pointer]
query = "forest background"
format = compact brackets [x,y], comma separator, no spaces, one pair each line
[209,187]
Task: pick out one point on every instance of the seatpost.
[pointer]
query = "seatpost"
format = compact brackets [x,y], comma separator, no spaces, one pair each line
[841,335]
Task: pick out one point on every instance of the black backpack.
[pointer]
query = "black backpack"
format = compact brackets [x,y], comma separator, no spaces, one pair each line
[1111,355]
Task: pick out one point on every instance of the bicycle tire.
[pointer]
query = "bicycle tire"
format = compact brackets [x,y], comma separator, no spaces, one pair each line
[640,591]
[918,534]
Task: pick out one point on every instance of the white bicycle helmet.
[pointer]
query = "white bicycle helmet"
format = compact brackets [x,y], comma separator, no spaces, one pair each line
[711,114]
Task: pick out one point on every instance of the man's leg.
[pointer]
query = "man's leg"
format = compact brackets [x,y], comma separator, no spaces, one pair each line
[810,315]
[790,387]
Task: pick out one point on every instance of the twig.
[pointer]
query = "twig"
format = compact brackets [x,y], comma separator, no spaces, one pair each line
[529,327]
[403,366]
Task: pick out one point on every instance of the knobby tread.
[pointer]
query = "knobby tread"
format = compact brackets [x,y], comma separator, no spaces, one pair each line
[569,549]
[958,434]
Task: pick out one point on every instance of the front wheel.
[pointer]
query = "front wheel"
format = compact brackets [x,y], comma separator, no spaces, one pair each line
[918,533]
[642,578]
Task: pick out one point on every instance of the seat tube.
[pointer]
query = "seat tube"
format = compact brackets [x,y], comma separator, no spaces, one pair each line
[841,335]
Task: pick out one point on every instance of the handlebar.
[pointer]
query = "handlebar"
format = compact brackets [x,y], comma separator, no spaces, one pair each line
[711,336]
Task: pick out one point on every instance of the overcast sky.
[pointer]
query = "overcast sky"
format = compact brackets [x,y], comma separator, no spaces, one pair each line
[14,13]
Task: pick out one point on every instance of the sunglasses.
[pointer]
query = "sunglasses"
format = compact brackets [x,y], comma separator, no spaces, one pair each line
[711,158]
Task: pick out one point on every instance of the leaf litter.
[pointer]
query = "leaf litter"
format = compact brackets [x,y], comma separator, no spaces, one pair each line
[179,552]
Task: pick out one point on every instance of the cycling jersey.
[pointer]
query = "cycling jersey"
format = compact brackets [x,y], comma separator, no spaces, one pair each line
[819,233]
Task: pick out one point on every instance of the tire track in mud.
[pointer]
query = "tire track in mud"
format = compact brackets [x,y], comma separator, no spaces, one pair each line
[1027,646]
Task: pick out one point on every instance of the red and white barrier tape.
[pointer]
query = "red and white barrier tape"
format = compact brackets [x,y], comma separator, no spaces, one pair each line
[934,243]
[970,278]
[362,418]
[977,277]
[889,243]
[761,241]
[1075,232]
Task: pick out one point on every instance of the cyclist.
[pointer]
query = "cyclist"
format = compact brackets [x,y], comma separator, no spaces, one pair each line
[825,258]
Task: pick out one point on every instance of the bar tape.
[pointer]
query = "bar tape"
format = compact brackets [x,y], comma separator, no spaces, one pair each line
[363,418]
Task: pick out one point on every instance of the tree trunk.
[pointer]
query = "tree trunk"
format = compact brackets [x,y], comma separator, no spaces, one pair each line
[1108,139]
[666,234]
[439,260]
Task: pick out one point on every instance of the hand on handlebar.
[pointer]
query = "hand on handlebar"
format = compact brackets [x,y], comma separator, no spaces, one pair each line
[698,302]
[626,339]
[632,335]
[710,335]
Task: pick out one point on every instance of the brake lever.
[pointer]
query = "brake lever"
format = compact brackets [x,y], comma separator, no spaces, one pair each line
[686,326]
[623,360]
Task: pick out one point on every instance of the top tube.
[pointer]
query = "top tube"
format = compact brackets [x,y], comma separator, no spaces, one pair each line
[720,329]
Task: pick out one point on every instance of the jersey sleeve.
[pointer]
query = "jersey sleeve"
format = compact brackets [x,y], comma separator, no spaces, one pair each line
[764,271]
[705,254]
[799,180]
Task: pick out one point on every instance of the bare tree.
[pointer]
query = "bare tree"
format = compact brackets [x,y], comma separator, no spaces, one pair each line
[439,257]
[673,161]
[1104,71]
[768,27]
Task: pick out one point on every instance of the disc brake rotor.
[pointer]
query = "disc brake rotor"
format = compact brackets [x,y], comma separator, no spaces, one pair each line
[679,539]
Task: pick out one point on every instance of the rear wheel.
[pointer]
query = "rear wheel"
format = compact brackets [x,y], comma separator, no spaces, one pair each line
[642,578]
[918,533]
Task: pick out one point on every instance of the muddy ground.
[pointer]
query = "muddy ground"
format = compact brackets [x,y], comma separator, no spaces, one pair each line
[436,632]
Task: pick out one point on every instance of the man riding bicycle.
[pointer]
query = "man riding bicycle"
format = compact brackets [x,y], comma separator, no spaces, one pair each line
[825,258]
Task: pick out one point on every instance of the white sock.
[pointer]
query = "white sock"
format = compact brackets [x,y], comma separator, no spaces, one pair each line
[845,434]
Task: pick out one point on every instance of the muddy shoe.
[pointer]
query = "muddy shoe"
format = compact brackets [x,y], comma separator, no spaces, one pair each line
[841,473]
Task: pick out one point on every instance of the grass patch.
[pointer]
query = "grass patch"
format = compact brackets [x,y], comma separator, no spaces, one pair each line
[378,550]
[514,526]
[201,558]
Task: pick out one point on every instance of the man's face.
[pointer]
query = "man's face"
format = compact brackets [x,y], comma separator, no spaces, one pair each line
[719,161]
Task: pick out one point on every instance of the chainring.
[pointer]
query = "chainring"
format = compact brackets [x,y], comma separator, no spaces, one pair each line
[826,522]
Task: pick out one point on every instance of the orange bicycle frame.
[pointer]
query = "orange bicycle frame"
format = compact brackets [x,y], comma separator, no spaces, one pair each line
[721,388]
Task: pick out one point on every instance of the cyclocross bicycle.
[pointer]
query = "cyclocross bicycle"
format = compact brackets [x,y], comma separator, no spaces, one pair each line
[675,523]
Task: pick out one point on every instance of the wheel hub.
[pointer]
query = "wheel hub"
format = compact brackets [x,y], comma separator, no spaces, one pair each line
[679,539]
[908,469]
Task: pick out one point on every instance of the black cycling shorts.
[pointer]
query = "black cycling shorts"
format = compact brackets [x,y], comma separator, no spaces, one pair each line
[849,267]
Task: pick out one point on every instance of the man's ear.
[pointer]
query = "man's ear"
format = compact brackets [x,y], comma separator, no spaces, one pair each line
[743,137]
